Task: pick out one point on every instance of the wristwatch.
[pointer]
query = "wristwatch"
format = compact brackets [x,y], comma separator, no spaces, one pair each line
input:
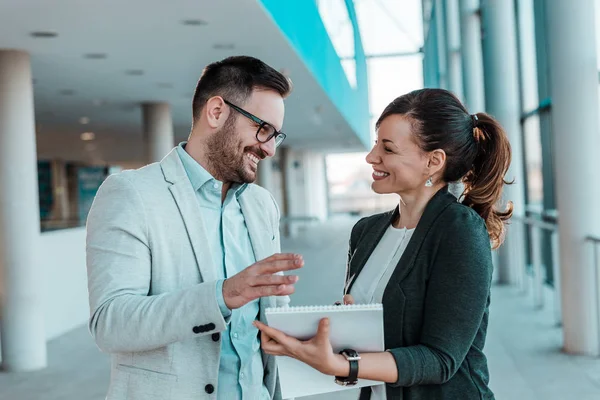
[352,357]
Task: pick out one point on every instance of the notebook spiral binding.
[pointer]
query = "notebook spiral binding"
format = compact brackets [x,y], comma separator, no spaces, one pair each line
[345,307]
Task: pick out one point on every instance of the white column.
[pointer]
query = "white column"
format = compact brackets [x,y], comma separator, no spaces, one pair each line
[472,61]
[60,208]
[576,133]
[503,102]
[315,185]
[158,130]
[265,174]
[440,29]
[453,48]
[21,320]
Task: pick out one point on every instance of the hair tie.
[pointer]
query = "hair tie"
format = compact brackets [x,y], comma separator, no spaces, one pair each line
[477,133]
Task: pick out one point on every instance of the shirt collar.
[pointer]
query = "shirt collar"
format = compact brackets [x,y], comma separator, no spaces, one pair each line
[199,177]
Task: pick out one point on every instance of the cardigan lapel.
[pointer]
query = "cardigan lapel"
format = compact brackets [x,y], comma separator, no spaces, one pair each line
[367,243]
[373,234]
[434,208]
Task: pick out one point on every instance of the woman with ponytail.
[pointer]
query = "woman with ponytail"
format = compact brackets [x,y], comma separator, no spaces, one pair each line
[429,261]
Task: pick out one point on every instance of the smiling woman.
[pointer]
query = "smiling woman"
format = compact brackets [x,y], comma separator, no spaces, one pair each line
[429,260]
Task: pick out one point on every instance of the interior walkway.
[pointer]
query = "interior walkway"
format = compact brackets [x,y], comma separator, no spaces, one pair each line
[523,346]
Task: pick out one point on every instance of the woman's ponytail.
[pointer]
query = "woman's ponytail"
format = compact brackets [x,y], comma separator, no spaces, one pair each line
[484,182]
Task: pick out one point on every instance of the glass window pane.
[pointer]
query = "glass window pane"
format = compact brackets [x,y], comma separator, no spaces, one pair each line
[392,77]
[390,26]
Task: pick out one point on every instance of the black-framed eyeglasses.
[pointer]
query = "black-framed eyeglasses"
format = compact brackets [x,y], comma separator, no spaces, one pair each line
[265,131]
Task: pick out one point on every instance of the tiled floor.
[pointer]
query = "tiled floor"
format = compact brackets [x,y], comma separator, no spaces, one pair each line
[523,346]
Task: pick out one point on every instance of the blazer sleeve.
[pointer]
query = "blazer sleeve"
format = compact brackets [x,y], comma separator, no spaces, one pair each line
[123,316]
[455,303]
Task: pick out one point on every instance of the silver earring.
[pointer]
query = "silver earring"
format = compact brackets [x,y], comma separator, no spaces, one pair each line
[429,182]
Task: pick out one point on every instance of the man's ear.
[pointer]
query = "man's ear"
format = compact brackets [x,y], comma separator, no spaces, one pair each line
[216,112]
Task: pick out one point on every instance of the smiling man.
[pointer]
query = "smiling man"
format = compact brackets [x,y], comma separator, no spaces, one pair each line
[183,255]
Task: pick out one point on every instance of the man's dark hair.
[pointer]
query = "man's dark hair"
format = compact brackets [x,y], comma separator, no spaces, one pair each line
[234,79]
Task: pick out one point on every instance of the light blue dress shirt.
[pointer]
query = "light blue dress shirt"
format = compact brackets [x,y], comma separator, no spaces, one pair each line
[241,367]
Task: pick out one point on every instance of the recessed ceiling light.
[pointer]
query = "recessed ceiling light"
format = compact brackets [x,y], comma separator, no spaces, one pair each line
[98,102]
[87,136]
[95,56]
[67,92]
[44,34]
[135,72]
[194,22]
[224,46]
[84,120]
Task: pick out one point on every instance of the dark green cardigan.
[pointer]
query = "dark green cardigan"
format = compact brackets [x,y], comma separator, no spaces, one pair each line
[436,303]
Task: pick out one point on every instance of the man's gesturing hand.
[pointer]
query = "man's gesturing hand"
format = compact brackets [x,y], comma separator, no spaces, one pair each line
[259,280]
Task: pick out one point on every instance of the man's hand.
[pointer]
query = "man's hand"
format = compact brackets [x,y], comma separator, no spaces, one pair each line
[259,280]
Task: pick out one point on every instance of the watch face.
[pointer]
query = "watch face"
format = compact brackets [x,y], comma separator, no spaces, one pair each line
[345,383]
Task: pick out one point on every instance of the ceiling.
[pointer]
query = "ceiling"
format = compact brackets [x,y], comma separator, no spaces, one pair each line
[143,51]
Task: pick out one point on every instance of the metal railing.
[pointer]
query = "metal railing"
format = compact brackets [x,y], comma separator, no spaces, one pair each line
[595,242]
[536,226]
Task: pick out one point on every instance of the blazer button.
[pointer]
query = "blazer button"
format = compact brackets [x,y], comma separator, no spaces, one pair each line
[209,388]
[210,327]
[216,337]
[196,329]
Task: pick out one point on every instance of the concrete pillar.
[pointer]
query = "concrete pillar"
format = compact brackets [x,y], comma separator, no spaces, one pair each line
[472,59]
[21,320]
[60,193]
[440,29]
[315,186]
[453,48]
[576,131]
[158,130]
[502,101]
[265,176]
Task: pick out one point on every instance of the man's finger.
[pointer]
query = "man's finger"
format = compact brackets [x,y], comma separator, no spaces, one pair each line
[280,257]
[273,267]
[348,299]
[266,291]
[273,280]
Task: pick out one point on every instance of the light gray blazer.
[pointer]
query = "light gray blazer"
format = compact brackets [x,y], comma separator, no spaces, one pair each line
[151,283]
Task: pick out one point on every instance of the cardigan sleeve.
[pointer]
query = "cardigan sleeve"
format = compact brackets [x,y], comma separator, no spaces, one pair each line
[455,303]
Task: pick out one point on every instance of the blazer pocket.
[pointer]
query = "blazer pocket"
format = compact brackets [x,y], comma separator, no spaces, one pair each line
[146,372]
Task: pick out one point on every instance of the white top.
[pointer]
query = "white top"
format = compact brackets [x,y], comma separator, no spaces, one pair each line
[375,275]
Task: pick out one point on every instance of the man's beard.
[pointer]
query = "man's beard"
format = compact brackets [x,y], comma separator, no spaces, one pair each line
[226,156]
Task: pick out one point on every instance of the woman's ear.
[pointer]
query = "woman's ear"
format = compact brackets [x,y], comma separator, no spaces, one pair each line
[436,162]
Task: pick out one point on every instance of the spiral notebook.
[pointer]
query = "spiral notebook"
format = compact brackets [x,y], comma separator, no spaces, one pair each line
[359,327]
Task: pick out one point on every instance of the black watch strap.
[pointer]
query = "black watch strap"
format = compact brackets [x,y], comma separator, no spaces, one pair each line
[352,378]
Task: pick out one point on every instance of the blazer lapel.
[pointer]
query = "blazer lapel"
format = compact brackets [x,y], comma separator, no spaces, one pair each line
[373,235]
[434,208]
[186,201]
[258,230]
[363,250]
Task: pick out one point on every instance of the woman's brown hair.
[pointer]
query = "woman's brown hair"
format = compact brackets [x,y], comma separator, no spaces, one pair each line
[477,149]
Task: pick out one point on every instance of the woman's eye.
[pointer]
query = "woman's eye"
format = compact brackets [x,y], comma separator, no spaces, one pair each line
[387,150]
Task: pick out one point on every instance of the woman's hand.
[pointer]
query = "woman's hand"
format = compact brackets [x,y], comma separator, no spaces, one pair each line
[316,352]
[348,299]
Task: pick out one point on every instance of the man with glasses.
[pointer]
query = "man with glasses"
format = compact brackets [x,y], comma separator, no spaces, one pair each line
[183,255]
